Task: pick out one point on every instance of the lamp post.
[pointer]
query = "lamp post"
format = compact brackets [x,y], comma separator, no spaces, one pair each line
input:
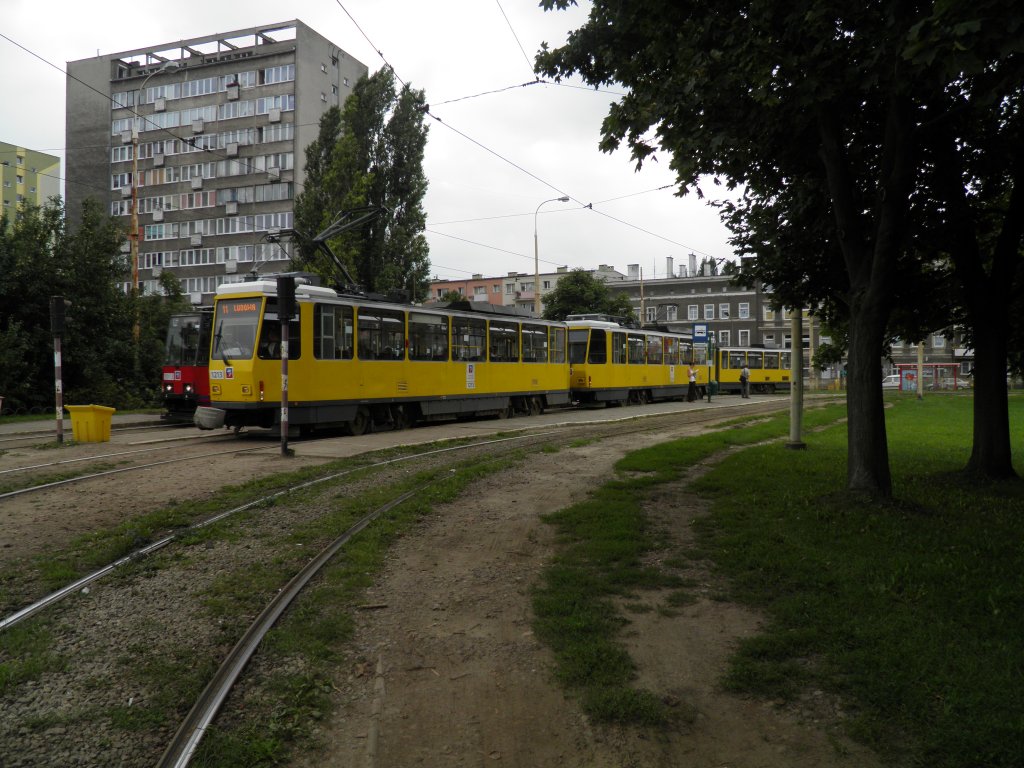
[133,236]
[536,255]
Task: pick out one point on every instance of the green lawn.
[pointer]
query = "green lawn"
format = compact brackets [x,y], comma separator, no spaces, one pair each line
[911,611]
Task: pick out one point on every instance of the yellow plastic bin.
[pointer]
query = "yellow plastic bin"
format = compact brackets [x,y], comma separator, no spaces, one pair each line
[90,423]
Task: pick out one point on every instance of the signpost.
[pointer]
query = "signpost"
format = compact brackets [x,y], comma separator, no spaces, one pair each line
[285,312]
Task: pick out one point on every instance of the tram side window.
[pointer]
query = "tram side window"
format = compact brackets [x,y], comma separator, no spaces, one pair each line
[535,343]
[556,351]
[469,338]
[381,334]
[504,342]
[654,350]
[671,351]
[333,332]
[700,355]
[685,352]
[428,336]
[771,361]
[736,360]
[755,360]
[785,360]
[598,354]
[618,348]
[636,349]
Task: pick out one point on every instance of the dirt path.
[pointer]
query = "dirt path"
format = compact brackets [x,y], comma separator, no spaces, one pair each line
[446,670]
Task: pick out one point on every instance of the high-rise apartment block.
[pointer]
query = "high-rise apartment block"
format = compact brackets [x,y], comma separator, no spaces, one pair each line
[26,176]
[198,145]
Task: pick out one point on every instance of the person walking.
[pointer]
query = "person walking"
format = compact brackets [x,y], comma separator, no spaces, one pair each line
[745,382]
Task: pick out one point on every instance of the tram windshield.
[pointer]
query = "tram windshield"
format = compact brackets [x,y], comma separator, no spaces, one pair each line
[578,346]
[234,328]
[186,342]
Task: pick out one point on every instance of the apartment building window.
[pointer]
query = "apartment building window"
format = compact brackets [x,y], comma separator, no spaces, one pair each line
[769,339]
[670,312]
[480,290]
[744,338]
[547,285]
[652,314]
[724,338]
[691,312]
[938,341]
[723,311]
[769,314]
[743,309]
[709,311]
[510,289]
[496,288]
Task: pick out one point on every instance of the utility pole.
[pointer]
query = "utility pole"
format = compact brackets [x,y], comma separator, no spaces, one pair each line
[58,304]
[796,384]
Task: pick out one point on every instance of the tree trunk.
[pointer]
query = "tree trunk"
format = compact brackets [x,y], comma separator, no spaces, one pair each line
[991,456]
[867,463]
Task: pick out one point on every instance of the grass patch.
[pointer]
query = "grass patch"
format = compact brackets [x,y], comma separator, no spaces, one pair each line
[913,610]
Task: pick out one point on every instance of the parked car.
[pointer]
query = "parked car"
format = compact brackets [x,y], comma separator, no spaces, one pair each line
[891,382]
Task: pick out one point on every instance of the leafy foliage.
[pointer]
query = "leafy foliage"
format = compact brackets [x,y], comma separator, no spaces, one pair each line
[40,258]
[370,153]
[833,120]
[580,292]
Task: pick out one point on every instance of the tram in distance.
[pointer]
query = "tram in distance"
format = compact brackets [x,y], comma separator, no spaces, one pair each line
[185,381]
[617,365]
[770,369]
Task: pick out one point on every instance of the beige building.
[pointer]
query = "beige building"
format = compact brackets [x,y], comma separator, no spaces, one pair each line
[26,176]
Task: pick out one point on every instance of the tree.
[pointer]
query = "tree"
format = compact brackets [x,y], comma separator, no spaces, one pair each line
[371,154]
[450,296]
[818,111]
[972,200]
[40,258]
[579,292]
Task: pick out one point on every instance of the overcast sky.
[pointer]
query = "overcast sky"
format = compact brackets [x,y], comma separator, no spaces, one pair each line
[525,144]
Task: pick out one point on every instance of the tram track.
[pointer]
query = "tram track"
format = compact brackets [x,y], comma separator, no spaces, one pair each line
[559,436]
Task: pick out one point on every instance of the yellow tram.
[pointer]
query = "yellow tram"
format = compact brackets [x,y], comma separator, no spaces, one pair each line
[357,362]
[613,364]
[770,369]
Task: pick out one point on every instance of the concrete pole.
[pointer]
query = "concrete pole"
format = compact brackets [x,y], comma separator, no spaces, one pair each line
[536,254]
[796,387]
[920,370]
[58,388]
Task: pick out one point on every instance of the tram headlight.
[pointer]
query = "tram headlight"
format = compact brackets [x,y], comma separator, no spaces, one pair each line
[168,387]
[188,389]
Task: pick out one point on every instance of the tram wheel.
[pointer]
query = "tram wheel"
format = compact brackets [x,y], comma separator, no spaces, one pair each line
[360,423]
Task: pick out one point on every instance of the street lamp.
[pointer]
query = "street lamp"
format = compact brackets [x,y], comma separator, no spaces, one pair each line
[133,236]
[536,255]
